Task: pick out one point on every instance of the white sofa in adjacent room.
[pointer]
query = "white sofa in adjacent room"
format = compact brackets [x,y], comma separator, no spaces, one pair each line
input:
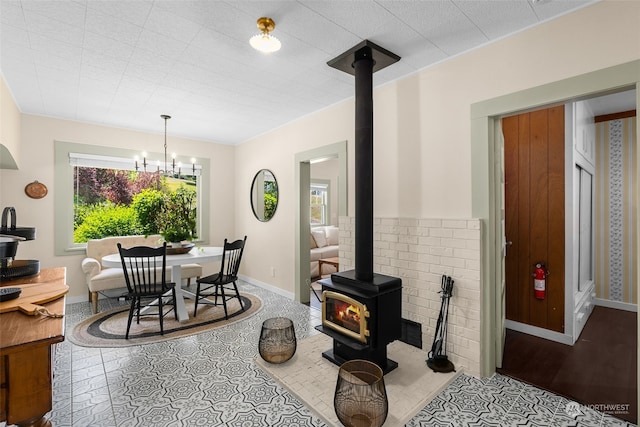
[324,244]
[101,278]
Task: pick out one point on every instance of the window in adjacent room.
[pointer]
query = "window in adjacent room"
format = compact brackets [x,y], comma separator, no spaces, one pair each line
[319,203]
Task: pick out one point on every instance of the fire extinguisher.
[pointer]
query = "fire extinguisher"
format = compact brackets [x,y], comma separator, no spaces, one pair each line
[540,280]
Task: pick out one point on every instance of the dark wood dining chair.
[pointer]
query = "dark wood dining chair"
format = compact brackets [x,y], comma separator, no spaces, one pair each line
[216,284]
[145,275]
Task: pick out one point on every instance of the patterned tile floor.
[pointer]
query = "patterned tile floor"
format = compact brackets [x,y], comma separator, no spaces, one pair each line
[210,379]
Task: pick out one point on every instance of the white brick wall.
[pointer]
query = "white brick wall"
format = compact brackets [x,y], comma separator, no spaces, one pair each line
[420,251]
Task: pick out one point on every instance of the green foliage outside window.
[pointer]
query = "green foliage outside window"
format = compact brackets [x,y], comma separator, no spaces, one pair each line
[176,219]
[270,204]
[107,220]
[147,204]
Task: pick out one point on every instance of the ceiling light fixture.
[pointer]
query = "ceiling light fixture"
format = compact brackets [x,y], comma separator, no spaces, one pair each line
[265,42]
[165,170]
[166,117]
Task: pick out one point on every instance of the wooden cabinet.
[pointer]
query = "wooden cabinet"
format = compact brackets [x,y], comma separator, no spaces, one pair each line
[26,348]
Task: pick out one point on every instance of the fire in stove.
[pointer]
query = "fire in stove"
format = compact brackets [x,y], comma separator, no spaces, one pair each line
[345,315]
[350,317]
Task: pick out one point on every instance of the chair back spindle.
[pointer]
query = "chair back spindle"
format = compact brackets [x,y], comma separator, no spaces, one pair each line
[214,285]
[144,267]
[144,270]
[231,257]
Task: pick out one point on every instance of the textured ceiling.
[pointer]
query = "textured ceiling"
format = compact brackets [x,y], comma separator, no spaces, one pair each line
[123,63]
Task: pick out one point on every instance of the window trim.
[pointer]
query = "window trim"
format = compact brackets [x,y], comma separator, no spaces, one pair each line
[63,185]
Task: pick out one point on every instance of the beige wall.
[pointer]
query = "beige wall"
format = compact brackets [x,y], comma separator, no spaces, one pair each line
[36,150]
[422,127]
[9,126]
[271,244]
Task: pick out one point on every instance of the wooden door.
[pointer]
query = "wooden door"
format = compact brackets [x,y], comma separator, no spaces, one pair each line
[534,215]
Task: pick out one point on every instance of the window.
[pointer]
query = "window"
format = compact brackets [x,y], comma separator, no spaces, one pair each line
[99,193]
[319,203]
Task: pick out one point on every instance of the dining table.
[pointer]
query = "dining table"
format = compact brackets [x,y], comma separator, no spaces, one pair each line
[199,254]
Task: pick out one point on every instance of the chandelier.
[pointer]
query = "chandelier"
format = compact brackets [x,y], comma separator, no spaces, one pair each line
[265,42]
[163,169]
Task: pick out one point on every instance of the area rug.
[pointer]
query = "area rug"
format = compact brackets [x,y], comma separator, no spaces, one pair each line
[312,379]
[108,329]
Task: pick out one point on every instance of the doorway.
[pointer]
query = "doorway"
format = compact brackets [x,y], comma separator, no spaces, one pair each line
[553,207]
[599,366]
[486,185]
[486,169]
[324,223]
[303,162]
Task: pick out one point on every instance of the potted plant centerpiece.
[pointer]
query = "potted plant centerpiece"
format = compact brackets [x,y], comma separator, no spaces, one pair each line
[176,220]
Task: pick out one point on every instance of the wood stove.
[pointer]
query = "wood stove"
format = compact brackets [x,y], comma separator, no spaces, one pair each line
[371,317]
[376,299]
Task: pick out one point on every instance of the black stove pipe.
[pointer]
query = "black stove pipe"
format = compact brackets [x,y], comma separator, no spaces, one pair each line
[363,67]
[381,294]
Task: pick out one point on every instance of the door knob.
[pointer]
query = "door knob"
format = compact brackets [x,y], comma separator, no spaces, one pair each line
[507,244]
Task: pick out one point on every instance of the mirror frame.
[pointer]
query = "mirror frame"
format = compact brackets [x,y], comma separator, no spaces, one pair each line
[261,218]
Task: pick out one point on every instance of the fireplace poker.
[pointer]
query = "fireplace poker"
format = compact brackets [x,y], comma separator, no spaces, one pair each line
[438,360]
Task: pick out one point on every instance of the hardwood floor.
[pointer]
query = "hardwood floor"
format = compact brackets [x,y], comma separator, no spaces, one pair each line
[599,370]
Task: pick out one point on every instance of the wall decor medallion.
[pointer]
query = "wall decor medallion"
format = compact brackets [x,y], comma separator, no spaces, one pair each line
[36,190]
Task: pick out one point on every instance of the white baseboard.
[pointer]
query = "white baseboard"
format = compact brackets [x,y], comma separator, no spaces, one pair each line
[267,286]
[539,332]
[109,293]
[616,304]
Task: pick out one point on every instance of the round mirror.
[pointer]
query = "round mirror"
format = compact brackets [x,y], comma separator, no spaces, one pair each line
[264,195]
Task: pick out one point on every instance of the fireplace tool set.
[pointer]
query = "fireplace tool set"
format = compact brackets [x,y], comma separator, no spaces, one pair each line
[438,360]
